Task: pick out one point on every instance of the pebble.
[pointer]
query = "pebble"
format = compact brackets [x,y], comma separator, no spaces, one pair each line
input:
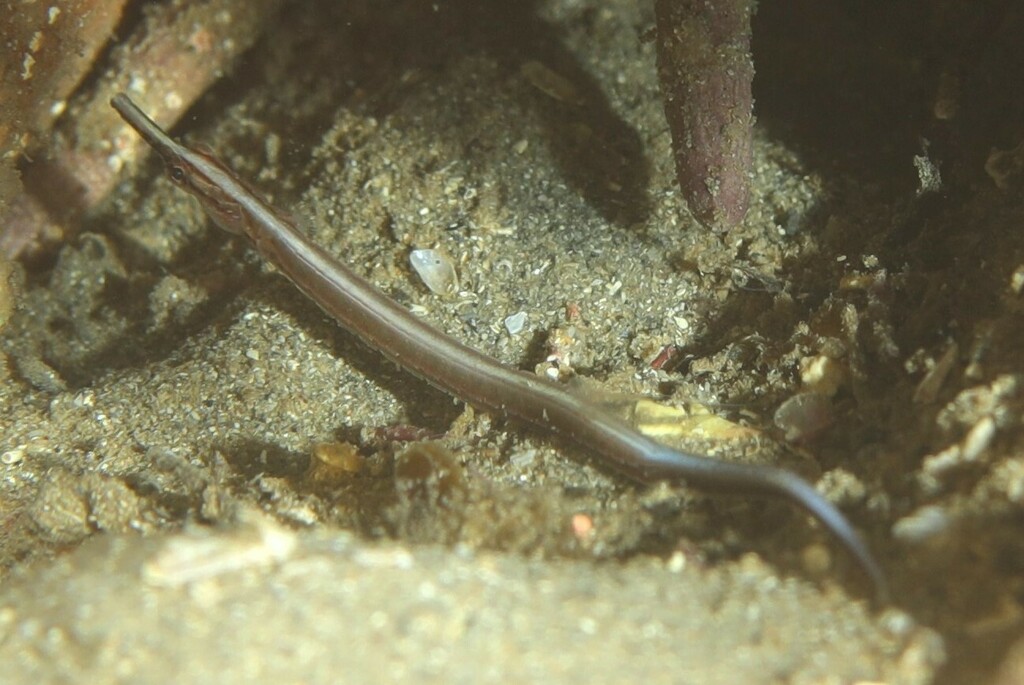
[804,415]
[922,525]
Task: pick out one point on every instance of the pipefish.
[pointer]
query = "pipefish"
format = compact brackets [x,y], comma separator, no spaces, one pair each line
[457,369]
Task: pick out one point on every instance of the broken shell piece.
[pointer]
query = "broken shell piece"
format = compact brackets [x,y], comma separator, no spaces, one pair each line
[436,270]
[566,346]
[550,83]
[804,416]
[664,422]
[929,387]
[979,438]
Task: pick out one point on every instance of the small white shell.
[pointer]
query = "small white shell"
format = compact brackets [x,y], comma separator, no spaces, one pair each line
[436,270]
[516,323]
[922,525]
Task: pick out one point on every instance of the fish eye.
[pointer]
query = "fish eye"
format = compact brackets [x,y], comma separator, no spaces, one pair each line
[177,174]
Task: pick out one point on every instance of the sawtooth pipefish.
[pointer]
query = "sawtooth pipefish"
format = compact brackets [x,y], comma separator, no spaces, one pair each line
[455,368]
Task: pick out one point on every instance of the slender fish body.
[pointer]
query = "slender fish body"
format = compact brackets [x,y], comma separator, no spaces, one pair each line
[457,369]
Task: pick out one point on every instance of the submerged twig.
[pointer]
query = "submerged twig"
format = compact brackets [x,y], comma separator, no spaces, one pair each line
[706,71]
